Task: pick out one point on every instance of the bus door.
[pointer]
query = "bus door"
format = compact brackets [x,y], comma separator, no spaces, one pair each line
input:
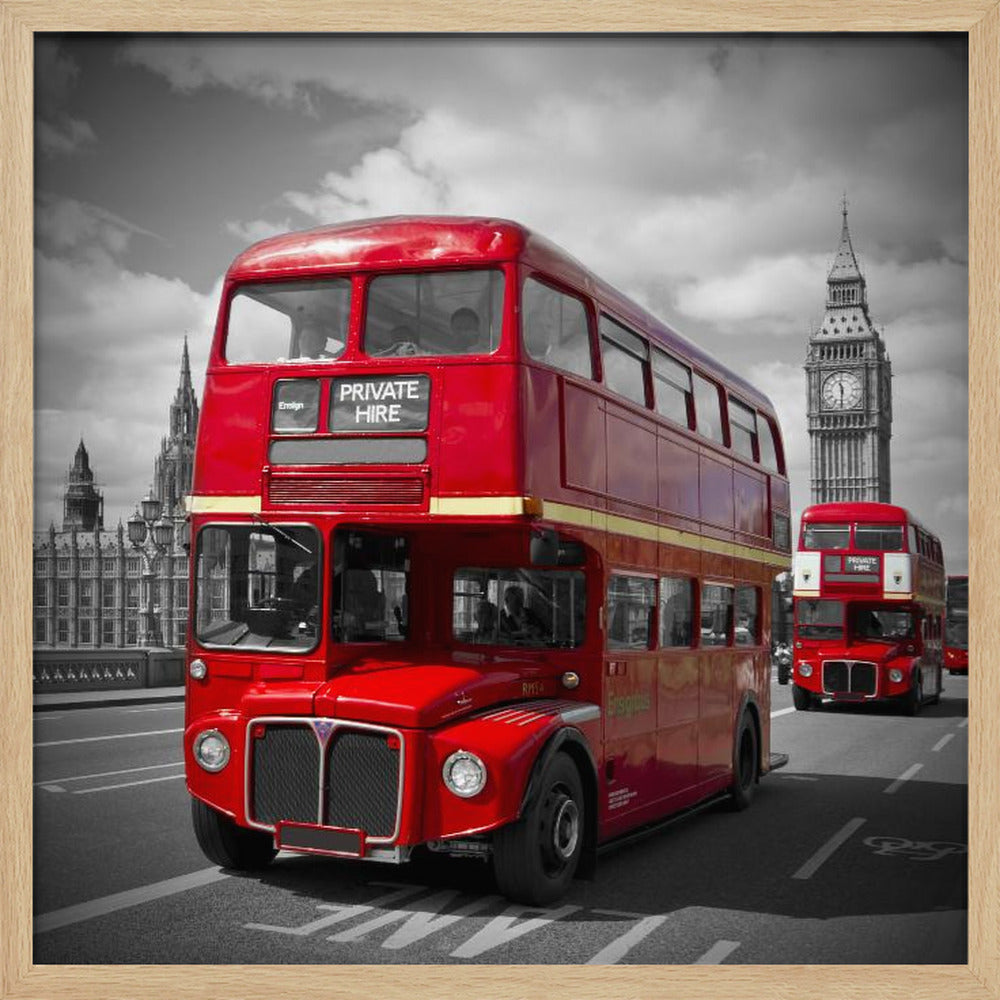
[630,696]
[717,664]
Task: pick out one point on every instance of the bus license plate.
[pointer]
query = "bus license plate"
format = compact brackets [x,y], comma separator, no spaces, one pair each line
[322,839]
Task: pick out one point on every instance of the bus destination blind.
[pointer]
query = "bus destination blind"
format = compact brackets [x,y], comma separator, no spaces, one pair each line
[399,403]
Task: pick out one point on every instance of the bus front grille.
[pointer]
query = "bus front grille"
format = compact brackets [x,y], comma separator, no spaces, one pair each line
[362,790]
[285,774]
[347,491]
[849,677]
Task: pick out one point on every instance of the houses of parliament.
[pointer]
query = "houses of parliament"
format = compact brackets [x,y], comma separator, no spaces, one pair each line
[88,581]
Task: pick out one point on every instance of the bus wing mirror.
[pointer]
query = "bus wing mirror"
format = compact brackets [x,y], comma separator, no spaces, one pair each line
[544,547]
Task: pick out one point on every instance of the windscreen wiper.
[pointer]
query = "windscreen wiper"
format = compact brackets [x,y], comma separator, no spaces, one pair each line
[284,534]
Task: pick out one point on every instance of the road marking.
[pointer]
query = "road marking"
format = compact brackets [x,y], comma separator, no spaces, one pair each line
[941,742]
[963,723]
[108,774]
[154,708]
[904,777]
[620,947]
[123,900]
[797,777]
[829,848]
[128,784]
[718,953]
[782,711]
[45,717]
[341,912]
[97,739]
[53,788]
[501,930]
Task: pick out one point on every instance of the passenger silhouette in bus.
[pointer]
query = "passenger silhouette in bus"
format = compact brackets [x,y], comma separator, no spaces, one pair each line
[399,340]
[486,621]
[312,341]
[465,331]
[516,620]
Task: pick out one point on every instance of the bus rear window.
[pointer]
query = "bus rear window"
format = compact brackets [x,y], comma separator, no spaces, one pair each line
[826,536]
[878,537]
[439,313]
[288,321]
[819,619]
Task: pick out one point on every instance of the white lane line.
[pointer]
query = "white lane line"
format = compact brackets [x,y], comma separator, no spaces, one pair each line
[97,739]
[963,723]
[904,777]
[829,848]
[154,708]
[127,784]
[45,717]
[797,777]
[782,711]
[620,947]
[718,953]
[55,919]
[53,788]
[108,774]
[941,742]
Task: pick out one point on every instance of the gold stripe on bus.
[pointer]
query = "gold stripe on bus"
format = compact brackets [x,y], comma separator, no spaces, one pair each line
[479,506]
[223,505]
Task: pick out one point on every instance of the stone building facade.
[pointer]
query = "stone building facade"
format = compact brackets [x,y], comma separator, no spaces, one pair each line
[88,581]
[849,387]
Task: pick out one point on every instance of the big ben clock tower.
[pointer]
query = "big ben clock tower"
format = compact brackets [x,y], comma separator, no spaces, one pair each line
[849,378]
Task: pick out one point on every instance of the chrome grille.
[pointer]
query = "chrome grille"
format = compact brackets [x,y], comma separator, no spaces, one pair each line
[849,677]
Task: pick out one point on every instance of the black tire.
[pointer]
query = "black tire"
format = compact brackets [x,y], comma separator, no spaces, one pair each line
[784,673]
[802,699]
[746,764]
[534,859]
[914,698]
[227,844]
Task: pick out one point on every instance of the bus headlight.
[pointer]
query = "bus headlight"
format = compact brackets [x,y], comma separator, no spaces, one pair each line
[805,670]
[211,750]
[198,669]
[464,774]
[895,675]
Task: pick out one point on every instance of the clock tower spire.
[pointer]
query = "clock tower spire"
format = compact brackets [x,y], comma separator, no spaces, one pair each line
[849,385]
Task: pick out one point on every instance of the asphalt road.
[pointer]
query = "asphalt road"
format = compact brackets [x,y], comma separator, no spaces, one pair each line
[853,853]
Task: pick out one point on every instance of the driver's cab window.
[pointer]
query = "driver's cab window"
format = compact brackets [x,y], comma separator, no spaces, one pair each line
[370,601]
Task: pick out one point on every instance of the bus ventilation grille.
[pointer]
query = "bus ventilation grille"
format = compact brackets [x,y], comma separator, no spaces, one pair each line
[362,783]
[849,677]
[346,490]
[286,775]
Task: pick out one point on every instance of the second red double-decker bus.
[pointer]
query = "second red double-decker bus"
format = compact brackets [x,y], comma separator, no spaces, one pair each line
[482,558]
[869,605]
[956,626]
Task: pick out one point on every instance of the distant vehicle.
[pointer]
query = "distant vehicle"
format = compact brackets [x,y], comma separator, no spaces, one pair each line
[956,626]
[869,591]
[781,657]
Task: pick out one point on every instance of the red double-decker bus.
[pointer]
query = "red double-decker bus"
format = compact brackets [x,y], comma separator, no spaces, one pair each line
[482,558]
[869,592]
[956,626]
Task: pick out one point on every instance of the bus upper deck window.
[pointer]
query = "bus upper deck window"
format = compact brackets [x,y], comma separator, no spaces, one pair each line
[879,537]
[826,536]
[554,329]
[439,313]
[288,321]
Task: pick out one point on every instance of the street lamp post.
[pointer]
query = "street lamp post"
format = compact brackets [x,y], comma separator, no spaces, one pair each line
[150,535]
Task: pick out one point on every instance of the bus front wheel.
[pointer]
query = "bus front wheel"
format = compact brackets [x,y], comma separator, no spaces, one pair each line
[534,859]
[802,698]
[227,844]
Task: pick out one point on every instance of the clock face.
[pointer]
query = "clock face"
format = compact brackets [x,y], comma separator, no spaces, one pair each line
[842,391]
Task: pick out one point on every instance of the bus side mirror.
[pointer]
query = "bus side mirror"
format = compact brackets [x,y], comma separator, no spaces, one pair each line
[544,550]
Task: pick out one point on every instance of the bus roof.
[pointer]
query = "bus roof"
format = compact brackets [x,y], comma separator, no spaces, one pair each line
[867,511]
[403,241]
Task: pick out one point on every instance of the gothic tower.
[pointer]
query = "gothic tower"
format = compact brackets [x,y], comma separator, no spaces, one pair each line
[849,387]
[173,468]
[83,504]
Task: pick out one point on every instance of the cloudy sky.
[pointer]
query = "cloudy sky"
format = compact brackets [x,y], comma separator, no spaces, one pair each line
[701,175]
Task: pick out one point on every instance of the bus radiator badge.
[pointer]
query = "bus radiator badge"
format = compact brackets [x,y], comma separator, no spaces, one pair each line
[323,728]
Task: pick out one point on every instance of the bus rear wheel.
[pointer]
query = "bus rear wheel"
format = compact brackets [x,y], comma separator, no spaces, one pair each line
[227,844]
[746,763]
[802,699]
[534,859]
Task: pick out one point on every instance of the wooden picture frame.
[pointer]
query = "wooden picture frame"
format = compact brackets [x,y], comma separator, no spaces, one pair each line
[20,20]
